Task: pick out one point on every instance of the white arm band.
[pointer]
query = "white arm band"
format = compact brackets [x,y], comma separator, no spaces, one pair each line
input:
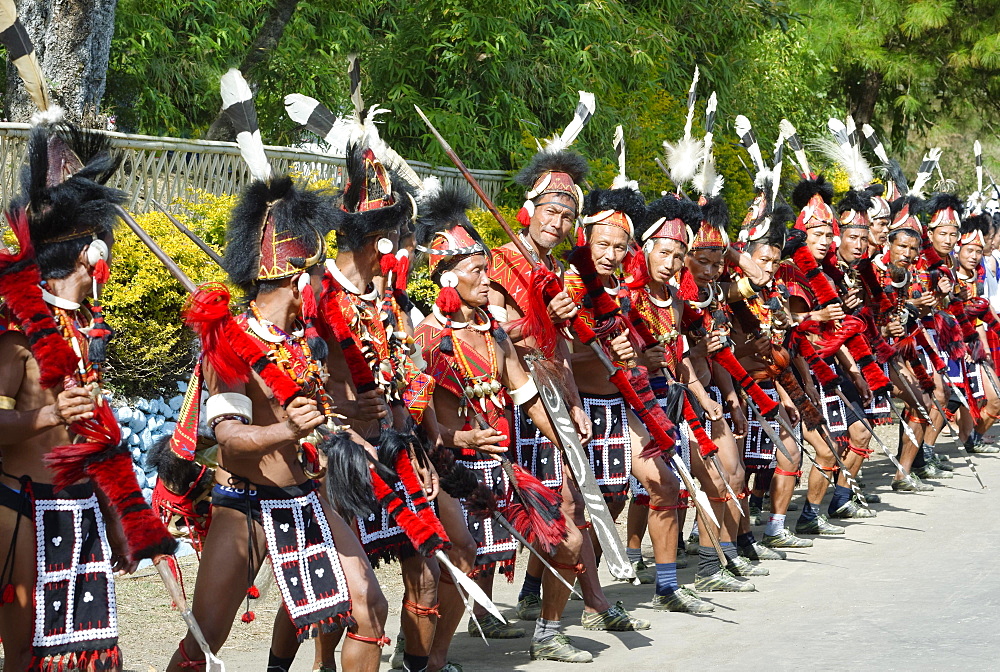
[525,393]
[499,313]
[228,405]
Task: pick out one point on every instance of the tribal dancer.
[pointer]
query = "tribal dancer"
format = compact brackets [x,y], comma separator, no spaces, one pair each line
[762,324]
[266,378]
[376,208]
[479,375]
[553,202]
[610,218]
[812,239]
[979,322]
[70,504]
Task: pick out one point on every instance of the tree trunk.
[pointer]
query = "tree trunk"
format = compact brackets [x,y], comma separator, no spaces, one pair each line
[72,39]
[863,96]
[265,42]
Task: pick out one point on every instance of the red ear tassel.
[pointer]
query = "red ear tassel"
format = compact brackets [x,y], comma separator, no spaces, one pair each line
[387,264]
[523,218]
[581,237]
[101,272]
[448,300]
[637,269]
[689,288]
[402,271]
[758,397]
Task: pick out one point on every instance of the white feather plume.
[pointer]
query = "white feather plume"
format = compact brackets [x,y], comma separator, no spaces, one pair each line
[690,101]
[682,159]
[846,155]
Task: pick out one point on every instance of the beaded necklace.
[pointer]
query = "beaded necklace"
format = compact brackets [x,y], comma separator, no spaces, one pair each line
[291,354]
[480,382]
[72,333]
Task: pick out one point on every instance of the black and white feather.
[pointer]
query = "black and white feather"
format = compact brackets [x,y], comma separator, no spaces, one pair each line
[314,115]
[583,113]
[795,143]
[708,181]
[924,172]
[354,77]
[22,55]
[749,141]
[237,104]
[684,156]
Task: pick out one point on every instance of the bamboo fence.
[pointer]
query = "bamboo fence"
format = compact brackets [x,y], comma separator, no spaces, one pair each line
[167,169]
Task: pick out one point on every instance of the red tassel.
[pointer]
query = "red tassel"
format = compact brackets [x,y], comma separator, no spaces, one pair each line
[849,327]
[8,594]
[402,271]
[688,288]
[537,324]
[536,511]
[637,269]
[101,273]
[581,237]
[417,531]
[706,446]
[948,335]
[821,287]
[758,397]
[253,592]
[387,264]
[206,312]
[448,300]
[523,218]
[22,293]
[248,617]
[870,371]
[824,372]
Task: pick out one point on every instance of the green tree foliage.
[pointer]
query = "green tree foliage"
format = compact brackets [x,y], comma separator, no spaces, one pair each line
[910,64]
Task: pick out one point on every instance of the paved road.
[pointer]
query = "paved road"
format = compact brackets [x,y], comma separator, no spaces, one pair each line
[914,588]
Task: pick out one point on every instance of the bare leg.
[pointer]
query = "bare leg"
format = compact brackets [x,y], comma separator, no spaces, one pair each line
[18,617]
[463,555]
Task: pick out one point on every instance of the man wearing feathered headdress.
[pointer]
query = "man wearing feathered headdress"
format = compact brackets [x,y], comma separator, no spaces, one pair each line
[71,510]
[272,415]
[479,377]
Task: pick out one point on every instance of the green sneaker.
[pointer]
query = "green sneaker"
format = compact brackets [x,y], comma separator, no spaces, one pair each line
[722,581]
[817,525]
[756,514]
[740,566]
[941,464]
[983,449]
[758,551]
[613,619]
[396,662]
[494,629]
[528,609]
[682,600]
[645,573]
[785,539]
[559,649]
[911,484]
[851,509]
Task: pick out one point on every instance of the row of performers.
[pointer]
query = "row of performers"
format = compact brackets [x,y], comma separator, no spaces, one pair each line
[525,407]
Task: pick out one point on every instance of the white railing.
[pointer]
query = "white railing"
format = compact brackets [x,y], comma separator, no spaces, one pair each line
[165,169]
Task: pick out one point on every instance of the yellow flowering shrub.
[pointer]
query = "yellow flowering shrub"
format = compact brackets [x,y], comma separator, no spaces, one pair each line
[151,347]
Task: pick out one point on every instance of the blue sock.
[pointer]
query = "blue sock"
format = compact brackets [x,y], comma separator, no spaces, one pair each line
[634,554]
[809,512]
[532,586]
[841,495]
[666,578]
